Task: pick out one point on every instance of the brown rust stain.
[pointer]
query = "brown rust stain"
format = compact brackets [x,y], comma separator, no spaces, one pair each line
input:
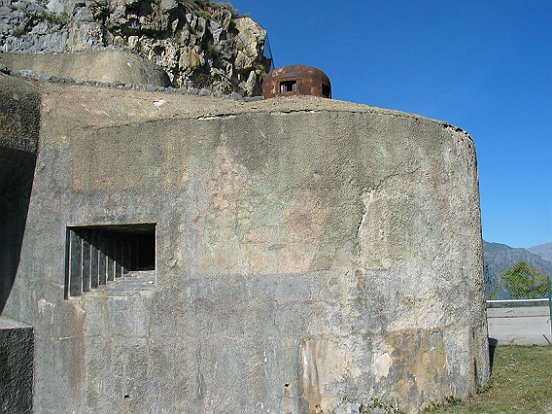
[311,384]
[323,366]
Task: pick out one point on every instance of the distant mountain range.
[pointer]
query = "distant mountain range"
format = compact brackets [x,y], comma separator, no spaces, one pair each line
[543,250]
[499,257]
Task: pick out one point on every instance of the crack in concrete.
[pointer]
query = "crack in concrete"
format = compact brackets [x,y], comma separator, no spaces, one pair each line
[213,117]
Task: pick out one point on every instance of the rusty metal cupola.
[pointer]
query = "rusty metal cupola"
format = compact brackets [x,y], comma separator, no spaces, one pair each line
[296,80]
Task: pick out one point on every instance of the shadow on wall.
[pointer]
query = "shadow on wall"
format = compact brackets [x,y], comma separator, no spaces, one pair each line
[492,347]
[16,178]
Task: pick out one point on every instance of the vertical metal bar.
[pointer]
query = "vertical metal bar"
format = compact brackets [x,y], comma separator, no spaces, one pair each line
[85,263]
[67,263]
[154,258]
[75,264]
[550,305]
[124,255]
[128,250]
[139,249]
[135,250]
[94,257]
[110,259]
[110,269]
[118,251]
[102,260]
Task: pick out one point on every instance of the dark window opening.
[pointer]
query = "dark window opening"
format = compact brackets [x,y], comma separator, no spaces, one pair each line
[326,91]
[288,86]
[99,254]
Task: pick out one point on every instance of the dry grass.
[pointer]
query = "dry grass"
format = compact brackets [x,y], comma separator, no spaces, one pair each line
[521,382]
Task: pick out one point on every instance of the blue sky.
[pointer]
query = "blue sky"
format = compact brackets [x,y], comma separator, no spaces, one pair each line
[484,66]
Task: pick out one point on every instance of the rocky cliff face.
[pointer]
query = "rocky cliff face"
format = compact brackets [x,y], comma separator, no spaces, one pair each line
[197,42]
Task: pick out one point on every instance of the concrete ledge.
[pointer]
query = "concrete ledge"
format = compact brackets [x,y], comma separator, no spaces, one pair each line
[16,367]
[100,65]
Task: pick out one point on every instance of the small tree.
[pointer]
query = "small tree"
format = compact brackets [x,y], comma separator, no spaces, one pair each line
[524,281]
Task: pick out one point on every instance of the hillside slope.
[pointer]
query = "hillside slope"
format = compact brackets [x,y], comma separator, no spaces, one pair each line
[543,250]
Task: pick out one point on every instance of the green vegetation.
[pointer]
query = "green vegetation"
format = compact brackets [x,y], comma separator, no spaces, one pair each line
[499,257]
[35,17]
[262,67]
[202,80]
[524,281]
[19,31]
[203,13]
[45,16]
[213,51]
[205,8]
[520,383]
[195,5]
[61,18]
[375,405]
[229,7]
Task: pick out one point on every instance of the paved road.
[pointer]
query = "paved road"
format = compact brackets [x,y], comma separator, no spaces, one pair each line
[522,326]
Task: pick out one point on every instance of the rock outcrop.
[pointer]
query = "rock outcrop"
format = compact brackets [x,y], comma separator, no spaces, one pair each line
[196,42]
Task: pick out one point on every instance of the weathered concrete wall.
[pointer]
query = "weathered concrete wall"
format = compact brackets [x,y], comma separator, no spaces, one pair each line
[19,114]
[309,253]
[16,367]
[19,126]
[104,65]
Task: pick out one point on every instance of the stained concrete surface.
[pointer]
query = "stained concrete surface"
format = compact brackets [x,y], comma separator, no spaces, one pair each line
[310,253]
